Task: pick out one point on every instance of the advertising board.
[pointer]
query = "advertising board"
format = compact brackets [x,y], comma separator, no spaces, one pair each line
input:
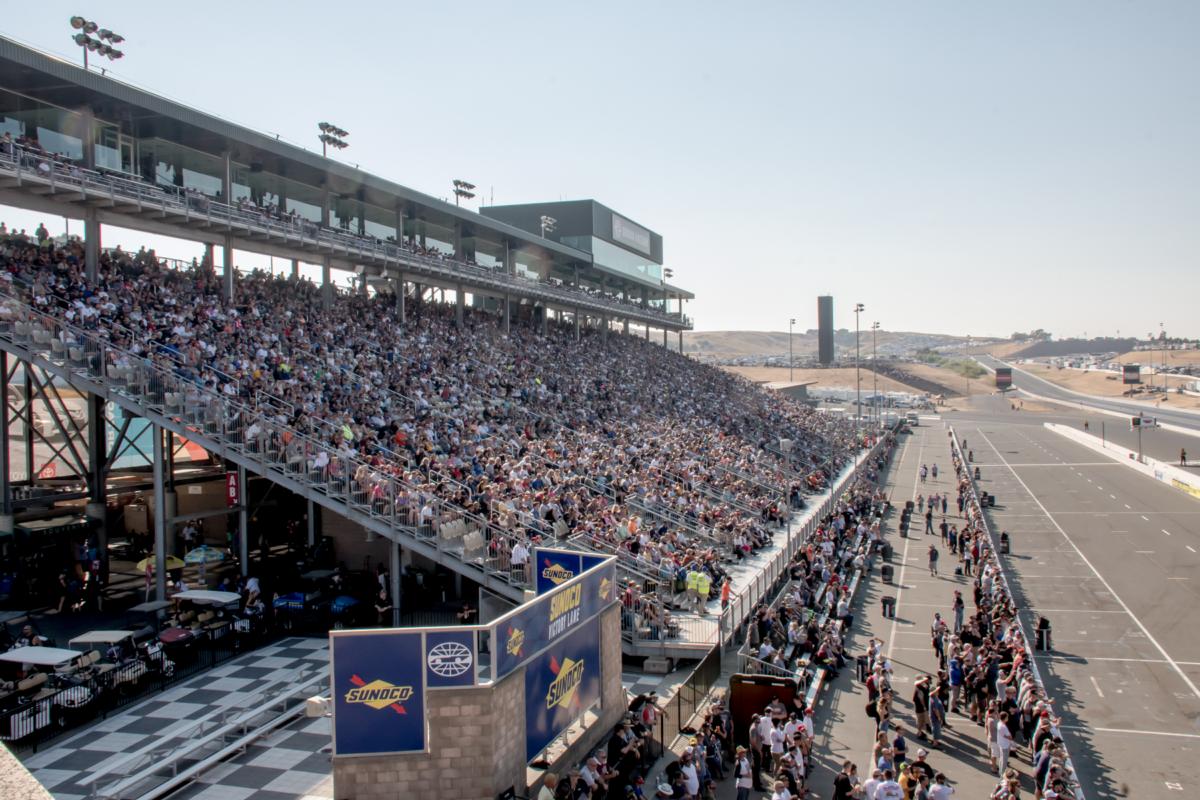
[531,628]
[1003,377]
[378,692]
[555,567]
[561,683]
[1131,373]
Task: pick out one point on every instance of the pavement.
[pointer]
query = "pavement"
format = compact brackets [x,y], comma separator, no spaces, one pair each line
[1040,386]
[1112,558]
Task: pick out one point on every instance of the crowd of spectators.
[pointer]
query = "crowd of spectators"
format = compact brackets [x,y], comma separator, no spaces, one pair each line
[619,445]
[983,674]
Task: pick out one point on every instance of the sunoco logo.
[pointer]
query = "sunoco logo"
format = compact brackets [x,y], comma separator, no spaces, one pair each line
[556,573]
[379,694]
[605,588]
[516,641]
[563,689]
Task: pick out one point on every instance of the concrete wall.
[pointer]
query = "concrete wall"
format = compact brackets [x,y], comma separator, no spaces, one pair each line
[1169,474]
[477,739]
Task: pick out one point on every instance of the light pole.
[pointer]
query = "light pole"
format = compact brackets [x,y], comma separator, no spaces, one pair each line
[548,225]
[1162,343]
[462,190]
[875,373]
[858,307]
[791,362]
[331,136]
[101,46]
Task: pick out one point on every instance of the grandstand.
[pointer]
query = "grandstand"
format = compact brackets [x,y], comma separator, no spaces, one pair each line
[465,432]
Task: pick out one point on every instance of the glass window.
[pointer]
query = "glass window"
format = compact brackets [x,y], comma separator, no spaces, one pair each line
[380,222]
[57,130]
[618,259]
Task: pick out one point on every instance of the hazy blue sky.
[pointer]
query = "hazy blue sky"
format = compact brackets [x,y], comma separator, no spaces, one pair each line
[958,167]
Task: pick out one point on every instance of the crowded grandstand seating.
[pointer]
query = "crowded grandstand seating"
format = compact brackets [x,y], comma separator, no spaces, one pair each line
[618,445]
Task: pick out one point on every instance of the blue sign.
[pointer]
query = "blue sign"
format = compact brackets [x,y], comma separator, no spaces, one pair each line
[450,658]
[536,625]
[555,567]
[560,684]
[378,692]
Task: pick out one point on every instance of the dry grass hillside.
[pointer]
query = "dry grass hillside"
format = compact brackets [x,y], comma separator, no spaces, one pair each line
[735,344]
[1106,384]
[1175,358]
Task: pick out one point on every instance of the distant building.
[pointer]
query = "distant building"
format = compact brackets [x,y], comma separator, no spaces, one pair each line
[825,330]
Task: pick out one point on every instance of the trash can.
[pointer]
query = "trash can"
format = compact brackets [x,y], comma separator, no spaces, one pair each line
[977,473]
[861,663]
[991,501]
[888,603]
[887,552]
[1043,640]
[1004,543]
[887,570]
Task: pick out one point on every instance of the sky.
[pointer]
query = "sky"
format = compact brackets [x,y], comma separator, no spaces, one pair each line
[961,168]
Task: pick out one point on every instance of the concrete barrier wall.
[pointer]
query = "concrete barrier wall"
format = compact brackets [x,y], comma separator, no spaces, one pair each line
[1169,474]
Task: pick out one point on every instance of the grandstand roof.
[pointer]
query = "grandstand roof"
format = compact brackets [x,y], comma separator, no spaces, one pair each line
[58,82]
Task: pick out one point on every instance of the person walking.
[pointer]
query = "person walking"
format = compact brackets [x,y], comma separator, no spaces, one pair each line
[743,779]
[933,560]
[959,609]
[929,521]
[1182,457]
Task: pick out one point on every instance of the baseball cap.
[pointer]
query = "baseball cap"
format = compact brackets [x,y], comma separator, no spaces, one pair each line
[922,753]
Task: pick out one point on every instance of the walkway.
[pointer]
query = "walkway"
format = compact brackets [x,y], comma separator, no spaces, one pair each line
[844,731]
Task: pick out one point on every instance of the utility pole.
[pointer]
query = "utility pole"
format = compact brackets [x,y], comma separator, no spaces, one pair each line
[858,307]
[875,373]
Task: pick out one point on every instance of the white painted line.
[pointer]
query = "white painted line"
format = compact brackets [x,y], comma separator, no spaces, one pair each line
[1147,519]
[1179,670]
[1114,497]
[1065,657]
[1128,730]
[1144,552]
[1167,532]
[1127,505]
[1096,684]
[1189,547]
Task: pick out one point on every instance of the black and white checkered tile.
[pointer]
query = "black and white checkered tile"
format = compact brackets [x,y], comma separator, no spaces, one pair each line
[102,753]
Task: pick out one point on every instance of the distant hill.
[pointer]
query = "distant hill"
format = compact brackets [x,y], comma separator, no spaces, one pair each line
[748,344]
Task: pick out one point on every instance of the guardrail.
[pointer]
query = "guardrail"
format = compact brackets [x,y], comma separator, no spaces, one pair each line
[1002,573]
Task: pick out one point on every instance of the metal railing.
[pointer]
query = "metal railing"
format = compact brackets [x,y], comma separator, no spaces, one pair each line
[60,175]
[383,497]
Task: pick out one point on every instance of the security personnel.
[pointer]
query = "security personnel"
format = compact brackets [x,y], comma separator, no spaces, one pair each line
[693,585]
[703,584]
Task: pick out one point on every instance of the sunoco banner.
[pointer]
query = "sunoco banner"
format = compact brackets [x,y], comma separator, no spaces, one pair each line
[378,692]
[535,626]
[560,684]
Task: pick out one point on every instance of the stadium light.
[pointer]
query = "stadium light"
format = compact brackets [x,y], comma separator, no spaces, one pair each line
[101,44]
[858,307]
[875,373]
[548,225]
[462,190]
[331,136]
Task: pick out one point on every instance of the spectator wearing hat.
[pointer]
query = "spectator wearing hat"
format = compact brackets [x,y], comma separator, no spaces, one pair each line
[743,773]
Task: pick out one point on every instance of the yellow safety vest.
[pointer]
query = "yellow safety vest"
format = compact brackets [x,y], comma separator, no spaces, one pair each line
[703,583]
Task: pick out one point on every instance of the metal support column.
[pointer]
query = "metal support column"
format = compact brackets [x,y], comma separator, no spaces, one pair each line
[160,517]
[625,327]
[312,523]
[545,319]
[665,338]
[647,332]
[6,509]
[507,313]
[210,259]
[460,304]
[243,522]
[96,509]
[681,341]
[91,244]
[395,587]
[227,264]
[295,269]
[577,324]
[604,329]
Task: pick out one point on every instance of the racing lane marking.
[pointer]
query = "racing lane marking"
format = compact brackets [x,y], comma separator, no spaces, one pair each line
[1096,684]
[1174,664]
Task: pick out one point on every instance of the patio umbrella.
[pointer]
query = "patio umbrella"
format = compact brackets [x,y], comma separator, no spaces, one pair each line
[204,555]
[173,562]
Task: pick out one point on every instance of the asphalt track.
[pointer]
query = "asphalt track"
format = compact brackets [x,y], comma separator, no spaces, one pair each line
[1040,386]
[1112,558]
